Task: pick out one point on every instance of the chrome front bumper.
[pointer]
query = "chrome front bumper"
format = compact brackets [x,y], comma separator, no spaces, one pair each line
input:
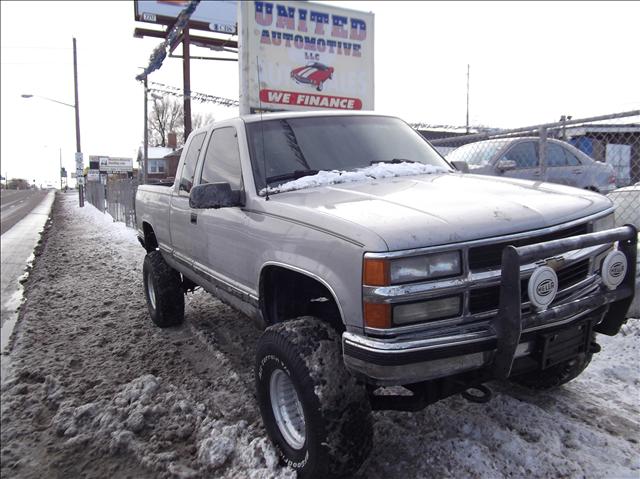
[496,342]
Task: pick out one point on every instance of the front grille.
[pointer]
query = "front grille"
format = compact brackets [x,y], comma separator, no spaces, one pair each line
[490,256]
[482,300]
[572,274]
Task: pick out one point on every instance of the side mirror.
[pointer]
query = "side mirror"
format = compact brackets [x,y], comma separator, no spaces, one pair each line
[214,195]
[506,165]
[462,166]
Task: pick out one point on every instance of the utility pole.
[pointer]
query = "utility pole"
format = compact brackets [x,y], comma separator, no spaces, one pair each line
[187,83]
[467,98]
[60,170]
[77,107]
[146,135]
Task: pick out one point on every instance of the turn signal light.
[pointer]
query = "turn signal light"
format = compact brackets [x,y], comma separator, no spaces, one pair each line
[377,315]
[375,272]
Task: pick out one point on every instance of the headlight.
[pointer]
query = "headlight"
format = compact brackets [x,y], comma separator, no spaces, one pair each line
[431,266]
[426,310]
[605,223]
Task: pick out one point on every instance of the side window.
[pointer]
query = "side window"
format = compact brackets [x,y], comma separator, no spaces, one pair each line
[555,155]
[572,159]
[222,160]
[191,159]
[524,154]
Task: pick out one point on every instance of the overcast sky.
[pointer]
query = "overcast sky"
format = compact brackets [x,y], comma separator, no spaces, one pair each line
[530,63]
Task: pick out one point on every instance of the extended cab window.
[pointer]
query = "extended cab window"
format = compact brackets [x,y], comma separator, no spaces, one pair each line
[222,160]
[524,154]
[190,161]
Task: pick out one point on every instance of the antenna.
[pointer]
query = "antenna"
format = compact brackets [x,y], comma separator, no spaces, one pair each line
[264,158]
[468,67]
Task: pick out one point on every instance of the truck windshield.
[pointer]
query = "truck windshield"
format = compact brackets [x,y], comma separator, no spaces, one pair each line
[293,146]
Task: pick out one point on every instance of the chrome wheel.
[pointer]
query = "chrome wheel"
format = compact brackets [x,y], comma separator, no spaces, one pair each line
[287,409]
[151,292]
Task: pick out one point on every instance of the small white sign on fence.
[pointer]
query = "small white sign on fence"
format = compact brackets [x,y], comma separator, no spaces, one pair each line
[116,165]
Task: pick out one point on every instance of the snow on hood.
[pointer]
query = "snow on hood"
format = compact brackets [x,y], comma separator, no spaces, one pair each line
[373,172]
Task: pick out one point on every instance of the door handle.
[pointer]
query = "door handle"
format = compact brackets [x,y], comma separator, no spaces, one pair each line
[536,173]
[194,218]
[577,171]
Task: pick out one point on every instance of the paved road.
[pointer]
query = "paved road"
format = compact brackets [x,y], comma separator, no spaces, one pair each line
[16,204]
[16,247]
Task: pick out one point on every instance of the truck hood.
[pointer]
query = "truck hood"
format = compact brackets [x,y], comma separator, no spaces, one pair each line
[428,210]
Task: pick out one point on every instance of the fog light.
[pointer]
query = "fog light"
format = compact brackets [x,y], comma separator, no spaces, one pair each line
[426,310]
[614,269]
[542,287]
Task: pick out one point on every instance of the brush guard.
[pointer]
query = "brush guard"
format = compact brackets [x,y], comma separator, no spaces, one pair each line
[507,325]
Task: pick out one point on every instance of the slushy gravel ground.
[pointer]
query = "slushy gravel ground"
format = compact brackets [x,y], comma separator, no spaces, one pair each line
[96,390]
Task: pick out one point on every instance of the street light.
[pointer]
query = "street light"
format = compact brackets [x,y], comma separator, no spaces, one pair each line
[29,95]
[76,107]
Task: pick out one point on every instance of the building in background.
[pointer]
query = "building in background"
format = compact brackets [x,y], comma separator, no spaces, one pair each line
[162,162]
[617,145]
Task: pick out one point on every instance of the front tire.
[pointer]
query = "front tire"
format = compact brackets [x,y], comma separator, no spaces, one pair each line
[163,290]
[317,415]
[554,376]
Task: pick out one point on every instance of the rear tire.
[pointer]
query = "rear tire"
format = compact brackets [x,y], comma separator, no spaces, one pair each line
[163,290]
[317,414]
[554,376]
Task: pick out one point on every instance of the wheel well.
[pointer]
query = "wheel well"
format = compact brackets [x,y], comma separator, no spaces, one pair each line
[150,240]
[286,294]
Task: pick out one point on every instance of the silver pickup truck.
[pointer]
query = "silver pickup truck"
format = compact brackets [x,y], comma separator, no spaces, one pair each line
[371,263]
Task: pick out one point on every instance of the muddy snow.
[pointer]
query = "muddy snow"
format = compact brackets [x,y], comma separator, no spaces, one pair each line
[95,390]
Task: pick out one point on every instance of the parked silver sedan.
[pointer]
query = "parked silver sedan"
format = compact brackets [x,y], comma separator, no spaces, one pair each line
[519,158]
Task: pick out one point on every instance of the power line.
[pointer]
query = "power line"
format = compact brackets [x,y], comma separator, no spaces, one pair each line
[201,97]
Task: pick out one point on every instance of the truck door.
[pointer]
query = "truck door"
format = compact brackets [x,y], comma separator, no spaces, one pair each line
[180,220]
[222,249]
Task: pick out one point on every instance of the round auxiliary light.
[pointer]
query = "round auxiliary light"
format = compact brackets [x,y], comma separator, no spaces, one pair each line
[543,287]
[614,268]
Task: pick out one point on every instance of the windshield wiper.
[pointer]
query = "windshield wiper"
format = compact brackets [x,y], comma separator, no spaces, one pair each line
[395,161]
[294,175]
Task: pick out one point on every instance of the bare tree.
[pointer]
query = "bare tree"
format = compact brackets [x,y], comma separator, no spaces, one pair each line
[166,116]
[199,120]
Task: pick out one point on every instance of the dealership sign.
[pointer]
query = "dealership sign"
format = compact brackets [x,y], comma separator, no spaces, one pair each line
[300,55]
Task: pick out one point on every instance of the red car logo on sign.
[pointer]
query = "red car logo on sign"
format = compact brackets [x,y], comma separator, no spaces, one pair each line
[314,74]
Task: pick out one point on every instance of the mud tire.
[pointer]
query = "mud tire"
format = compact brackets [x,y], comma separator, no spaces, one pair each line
[336,409]
[166,283]
[554,376]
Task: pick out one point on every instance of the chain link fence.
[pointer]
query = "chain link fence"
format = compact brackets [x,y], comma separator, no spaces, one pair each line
[600,154]
[116,197]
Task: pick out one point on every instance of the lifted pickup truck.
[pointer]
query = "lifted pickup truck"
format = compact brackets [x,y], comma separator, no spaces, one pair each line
[373,263]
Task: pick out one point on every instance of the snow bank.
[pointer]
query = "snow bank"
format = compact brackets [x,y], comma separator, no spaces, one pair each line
[154,420]
[375,172]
